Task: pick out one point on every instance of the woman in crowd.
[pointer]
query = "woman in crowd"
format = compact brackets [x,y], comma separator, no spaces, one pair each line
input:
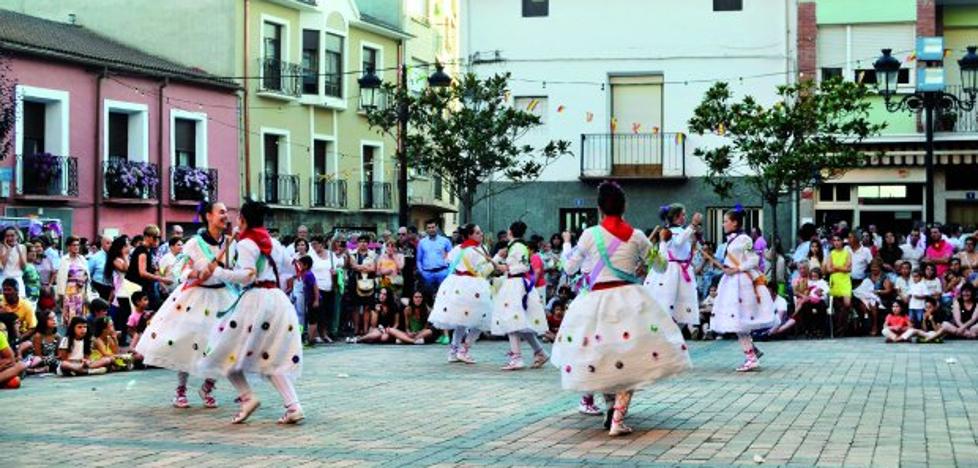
[116,266]
[616,338]
[890,253]
[743,304]
[968,257]
[463,304]
[838,266]
[675,288]
[816,256]
[902,282]
[883,288]
[390,265]
[259,334]
[963,322]
[45,268]
[385,324]
[178,332]
[13,257]
[517,311]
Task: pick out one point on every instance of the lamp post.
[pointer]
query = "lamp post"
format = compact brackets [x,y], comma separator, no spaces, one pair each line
[370,93]
[926,98]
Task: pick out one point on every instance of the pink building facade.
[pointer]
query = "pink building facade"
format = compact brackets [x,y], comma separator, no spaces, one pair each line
[110,150]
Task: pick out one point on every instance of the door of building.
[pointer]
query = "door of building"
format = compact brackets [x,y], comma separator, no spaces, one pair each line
[577,219]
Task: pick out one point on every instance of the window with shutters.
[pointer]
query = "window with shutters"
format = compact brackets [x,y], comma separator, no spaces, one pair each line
[34,126]
[118,135]
[333,65]
[125,131]
[850,50]
[310,61]
[188,138]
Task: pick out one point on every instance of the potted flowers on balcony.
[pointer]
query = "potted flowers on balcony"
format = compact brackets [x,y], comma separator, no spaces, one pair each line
[192,183]
[131,179]
[42,174]
[946,120]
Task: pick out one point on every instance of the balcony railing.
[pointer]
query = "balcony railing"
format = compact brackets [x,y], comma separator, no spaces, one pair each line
[193,184]
[633,156]
[130,180]
[376,196]
[281,189]
[328,193]
[280,77]
[47,175]
[957,120]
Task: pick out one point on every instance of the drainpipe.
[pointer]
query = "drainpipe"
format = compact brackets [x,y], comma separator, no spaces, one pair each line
[97,209]
[159,153]
[244,108]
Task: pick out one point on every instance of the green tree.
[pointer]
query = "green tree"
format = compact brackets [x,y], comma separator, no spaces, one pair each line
[467,133]
[809,132]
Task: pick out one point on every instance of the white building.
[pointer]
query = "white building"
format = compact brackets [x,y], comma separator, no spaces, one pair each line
[620,80]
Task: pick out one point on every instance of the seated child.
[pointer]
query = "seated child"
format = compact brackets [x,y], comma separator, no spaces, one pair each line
[554,317]
[897,327]
[74,349]
[106,345]
[45,341]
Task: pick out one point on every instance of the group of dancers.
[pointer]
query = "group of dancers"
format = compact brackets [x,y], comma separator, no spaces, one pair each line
[618,334]
[230,318]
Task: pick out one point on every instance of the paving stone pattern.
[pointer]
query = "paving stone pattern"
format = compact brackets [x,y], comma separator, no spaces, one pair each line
[852,402]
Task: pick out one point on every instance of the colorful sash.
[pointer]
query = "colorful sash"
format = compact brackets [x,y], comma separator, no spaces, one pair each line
[605,261]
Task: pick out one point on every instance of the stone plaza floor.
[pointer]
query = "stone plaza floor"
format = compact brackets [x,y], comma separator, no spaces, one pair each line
[856,402]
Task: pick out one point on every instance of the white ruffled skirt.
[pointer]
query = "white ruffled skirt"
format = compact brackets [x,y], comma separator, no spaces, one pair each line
[739,307]
[674,294]
[617,339]
[260,335]
[176,337]
[462,301]
[508,315]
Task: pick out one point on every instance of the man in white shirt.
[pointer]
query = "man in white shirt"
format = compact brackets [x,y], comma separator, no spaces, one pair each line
[914,248]
[862,255]
[302,232]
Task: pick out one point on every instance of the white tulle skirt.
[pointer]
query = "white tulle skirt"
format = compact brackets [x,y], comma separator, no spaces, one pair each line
[675,294]
[617,339]
[462,301]
[739,307]
[259,336]
[508,315]
[176,337]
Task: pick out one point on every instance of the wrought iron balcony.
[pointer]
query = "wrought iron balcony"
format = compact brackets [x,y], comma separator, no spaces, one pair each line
[376,196]
[130,180]
[280,77]
[47,175]
[192,184]
[281,189]
[633,155]
[328,193]
[957,120]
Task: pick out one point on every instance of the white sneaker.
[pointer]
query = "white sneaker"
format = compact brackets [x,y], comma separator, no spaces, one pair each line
[514,364]
[464,357]
[590,410]
[619,429]
[452,357]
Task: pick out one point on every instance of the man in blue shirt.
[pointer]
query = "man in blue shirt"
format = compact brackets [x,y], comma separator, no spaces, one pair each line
[96,267]
[432,259]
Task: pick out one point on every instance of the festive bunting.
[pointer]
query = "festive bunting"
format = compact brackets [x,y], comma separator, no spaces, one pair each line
[911,57]
[636,127]
[532,105]
[721,129]
[680,137]
[589,117]
[655,130]
[560,109]
[614,124]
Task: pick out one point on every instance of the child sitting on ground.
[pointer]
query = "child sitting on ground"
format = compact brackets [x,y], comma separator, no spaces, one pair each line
[706,311]
[554,317]
[107,346]
[75,349]
[138,320]
[897,327]
[45,341]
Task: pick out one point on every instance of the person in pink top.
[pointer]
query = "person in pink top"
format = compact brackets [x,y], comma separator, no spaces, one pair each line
[538,274]
[939,252]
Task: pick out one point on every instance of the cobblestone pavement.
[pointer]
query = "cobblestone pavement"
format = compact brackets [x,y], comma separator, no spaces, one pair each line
[856,402]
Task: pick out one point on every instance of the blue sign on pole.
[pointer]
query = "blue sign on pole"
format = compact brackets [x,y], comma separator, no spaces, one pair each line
[6,174]
[578,202]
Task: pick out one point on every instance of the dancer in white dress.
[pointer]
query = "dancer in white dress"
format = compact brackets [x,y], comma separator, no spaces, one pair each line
[517,311]
[675,288]
[743,303]
[615,338]
[176,338]
[260,333]
[463,303]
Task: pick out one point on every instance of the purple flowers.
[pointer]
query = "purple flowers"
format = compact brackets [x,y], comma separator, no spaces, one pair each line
[131,179]
[192,183]
[45,169]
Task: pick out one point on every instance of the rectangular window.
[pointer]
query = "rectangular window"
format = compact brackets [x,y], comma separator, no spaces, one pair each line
[369,61]
[830,193]
[577,219]
[728,5]
[272,55]
[831,73]
[963,177]
[34,127]
[536,105]
[185,142]
[333,66]
[534,8]
[271,144]
[310,61]
[368,164]
[753,217]
[868,76]
[118,135]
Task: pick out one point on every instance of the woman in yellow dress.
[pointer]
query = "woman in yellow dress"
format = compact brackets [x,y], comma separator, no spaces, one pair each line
[838,265]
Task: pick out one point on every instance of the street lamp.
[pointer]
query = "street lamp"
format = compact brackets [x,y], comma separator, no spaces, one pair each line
[370,93]
[926,98]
